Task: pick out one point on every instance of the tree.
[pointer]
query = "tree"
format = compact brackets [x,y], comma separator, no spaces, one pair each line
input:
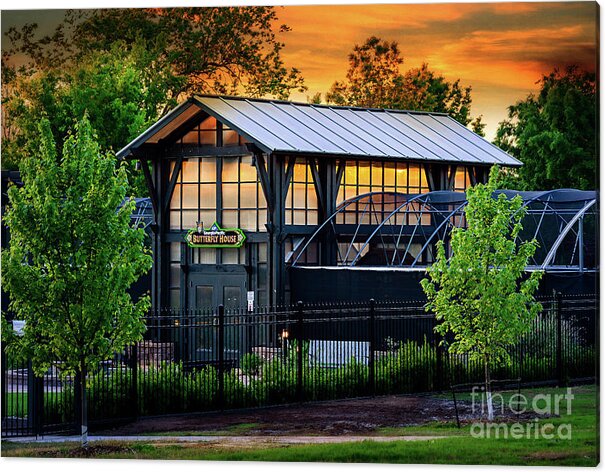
[375,80]
[73,255]
[480,293]
[128,67]
[222,50]
[554,133]
[118,87]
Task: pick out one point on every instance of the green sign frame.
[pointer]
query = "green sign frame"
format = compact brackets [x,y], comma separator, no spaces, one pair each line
[215,237]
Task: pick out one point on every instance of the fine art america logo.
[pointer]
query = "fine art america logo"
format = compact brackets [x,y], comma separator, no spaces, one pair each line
[215,236]
[543,405]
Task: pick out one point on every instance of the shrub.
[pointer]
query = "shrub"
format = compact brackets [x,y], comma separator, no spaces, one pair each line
[251,364]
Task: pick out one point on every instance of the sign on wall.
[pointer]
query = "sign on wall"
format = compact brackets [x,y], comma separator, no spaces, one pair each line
[215,236]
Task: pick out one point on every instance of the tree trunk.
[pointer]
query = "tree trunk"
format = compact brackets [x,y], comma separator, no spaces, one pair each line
[488,390]
[83,407]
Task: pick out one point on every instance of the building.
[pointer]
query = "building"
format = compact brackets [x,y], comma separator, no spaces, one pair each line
[237,184]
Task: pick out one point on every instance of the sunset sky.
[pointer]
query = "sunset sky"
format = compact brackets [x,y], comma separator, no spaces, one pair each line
[500,49]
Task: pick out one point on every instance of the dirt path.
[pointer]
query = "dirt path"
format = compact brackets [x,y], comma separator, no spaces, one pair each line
[334,418]
[243,441]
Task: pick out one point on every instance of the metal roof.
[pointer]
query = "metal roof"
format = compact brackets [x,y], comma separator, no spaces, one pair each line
[278,126]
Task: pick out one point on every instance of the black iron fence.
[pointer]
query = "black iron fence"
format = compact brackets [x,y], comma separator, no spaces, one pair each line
[202,360]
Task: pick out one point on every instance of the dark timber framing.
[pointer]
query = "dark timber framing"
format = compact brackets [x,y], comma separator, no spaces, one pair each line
[263,262]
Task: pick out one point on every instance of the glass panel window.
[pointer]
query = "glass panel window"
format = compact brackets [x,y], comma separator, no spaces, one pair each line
[300,172]
[247,170]
[299,217]
[362,177]
[208,124]
[301,197]
[208,171]
[364,173]
[175,252]
[351,173]
[230,218]
[230,256]
[402,178]
[247,219]
[462,180]
[230,138]
[242,192]
[262,220]
[175,219]
[207,217]
[190,196]
[262,252]
[247,192]
[389,174]
[312,217]
[189,218]
[363,190]
[423,181]
[376,174]
[192,137]
[230,169]
[175,201]
[207,196]
[175,275]
[230,195]
[205,255]
[208,138]
[195,194]
[190,169]
[414,175]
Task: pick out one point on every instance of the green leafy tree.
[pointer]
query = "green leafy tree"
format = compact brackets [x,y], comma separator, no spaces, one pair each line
[119,89]
[128,67]
[480,294]
[554,133]
[73,256]
[375,80]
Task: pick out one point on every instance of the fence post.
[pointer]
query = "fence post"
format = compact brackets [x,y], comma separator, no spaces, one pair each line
[221,356]
[134,367]
[439,380]
[39,405]
[558,302]
[32,400]
[35,400]
[76,405]
[371,333]
[299,351]
[4,378]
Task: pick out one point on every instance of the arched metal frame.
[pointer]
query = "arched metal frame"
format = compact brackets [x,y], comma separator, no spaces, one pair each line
[405,228]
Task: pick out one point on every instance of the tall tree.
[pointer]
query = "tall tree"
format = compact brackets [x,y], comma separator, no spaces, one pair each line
[479,293]
[120,89]
[148,59]
[554,133]
[72,258]
[375,79]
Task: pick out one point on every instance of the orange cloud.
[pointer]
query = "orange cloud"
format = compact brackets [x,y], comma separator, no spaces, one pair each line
[501,49]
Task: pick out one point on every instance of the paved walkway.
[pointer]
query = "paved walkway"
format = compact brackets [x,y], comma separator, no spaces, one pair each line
[228,440]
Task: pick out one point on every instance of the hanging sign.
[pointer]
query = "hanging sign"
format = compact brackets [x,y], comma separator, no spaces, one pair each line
[215,236]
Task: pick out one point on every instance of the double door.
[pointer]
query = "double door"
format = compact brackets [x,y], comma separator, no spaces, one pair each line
[209,288]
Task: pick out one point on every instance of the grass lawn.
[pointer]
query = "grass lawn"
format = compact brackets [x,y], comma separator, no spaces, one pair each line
[16,403]
[458,448]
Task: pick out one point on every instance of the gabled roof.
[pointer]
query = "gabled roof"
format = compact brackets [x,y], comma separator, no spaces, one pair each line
[277,126]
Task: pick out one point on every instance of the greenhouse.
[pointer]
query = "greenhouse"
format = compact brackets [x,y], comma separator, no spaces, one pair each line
[249,195]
